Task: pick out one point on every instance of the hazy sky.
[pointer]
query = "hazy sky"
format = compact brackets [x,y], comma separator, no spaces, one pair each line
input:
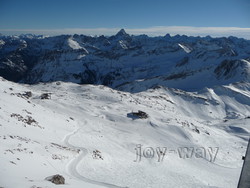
[153,17]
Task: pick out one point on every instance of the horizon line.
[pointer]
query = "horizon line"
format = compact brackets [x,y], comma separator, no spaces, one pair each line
[150,31]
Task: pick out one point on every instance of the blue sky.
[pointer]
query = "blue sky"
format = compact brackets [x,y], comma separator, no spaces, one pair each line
[136,16]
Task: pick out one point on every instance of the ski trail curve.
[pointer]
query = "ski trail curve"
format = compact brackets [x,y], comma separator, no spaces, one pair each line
[72,165]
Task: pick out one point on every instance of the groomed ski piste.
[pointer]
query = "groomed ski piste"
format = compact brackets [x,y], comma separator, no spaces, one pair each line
[85,134]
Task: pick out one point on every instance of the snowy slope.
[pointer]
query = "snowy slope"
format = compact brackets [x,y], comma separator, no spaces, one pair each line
[86,133]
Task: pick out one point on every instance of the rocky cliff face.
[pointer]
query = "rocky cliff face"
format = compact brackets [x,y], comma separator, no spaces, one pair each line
[126,62]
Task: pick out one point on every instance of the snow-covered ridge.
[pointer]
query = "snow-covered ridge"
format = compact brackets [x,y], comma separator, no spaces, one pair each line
[84,133]
[185,48]
[73,44]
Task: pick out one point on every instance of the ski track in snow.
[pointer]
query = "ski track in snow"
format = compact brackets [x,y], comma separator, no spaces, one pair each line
[72,165]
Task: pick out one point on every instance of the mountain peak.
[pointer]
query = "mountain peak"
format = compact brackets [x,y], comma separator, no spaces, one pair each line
[122,32]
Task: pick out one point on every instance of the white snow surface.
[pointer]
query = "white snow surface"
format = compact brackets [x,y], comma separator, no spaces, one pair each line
[75,45]
[84,133]
[185,48]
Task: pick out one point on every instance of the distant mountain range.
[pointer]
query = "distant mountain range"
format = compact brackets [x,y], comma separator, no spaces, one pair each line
[126,62]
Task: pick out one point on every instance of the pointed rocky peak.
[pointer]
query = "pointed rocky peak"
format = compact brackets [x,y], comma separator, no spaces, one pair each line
[122,32]
[167,35]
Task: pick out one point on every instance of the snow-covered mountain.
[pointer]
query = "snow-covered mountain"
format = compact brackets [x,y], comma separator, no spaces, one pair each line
[87,134]
[123,61]
[81,122]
